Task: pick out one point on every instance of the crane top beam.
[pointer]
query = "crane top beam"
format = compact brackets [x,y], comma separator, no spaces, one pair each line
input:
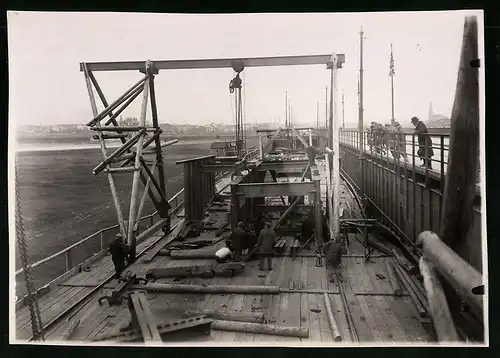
[212,63]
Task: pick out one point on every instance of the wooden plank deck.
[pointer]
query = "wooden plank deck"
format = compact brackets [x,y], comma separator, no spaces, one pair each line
[377,315]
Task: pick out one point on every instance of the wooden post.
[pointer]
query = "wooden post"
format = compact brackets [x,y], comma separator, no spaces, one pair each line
[457,272]
[143,199]
[329,194]
[112,186]
[461,174]
[131,238]
[335,174]
[310,137]
[317,206]
[154,115]
[187,191]
[438,306]
[235,206]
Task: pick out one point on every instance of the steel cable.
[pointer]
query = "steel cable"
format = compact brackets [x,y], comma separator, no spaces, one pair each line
[36,321]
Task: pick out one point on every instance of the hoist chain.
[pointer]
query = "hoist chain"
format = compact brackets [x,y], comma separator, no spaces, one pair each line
[36,321]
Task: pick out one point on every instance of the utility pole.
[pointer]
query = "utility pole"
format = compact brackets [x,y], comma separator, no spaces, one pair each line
[360,120]
[326,107]
[286,109]
[317,115]
[343,118]
[391,74]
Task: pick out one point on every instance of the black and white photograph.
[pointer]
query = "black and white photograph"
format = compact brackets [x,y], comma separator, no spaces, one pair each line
[264,179]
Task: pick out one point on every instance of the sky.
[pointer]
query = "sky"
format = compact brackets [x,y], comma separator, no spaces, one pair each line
[47,87]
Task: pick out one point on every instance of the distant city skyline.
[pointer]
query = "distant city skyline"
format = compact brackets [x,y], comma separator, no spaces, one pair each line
[46,86]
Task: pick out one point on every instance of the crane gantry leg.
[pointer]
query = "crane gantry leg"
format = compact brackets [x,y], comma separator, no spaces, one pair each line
[128,159]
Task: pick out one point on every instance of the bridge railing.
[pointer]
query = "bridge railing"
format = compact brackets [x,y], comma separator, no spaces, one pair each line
[58,267]
[85,251]
[403,195]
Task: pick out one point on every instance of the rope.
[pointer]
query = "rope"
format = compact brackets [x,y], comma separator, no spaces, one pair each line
[36,321]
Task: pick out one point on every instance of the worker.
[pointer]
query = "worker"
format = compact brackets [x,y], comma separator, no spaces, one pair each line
[324,227]
[425,151]
[224,254]
[334,251]
[119,252]
[266,241]
[251,239]
[400,143]
[260,223]
[237,238]
[312,152]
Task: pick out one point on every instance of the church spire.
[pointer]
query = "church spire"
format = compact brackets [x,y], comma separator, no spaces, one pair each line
[431,112]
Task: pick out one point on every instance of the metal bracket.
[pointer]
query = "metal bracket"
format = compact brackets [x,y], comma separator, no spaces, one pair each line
[116,297]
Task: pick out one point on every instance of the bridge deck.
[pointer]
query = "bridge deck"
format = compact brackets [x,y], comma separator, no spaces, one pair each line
[376,313]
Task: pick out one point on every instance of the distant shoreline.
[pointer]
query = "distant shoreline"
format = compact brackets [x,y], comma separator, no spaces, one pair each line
[67,143]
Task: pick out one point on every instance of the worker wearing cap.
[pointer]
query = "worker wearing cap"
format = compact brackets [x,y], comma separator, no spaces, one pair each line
[425,151]
[119,252]
[238,237]
[267,239]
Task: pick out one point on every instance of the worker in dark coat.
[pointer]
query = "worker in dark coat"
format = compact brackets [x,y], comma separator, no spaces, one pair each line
[260,223]
[238,238]
[251,239]
[267,240]
[425,151]
[119,253]
[325,227]
[334,251]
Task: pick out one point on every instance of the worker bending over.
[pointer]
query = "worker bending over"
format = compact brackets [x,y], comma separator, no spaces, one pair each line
[334,251]
[224,254]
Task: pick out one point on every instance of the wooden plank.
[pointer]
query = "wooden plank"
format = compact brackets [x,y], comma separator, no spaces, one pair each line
[373,323]
[145,318]
[314,324]
[326,334]
[408,317]
[303,272]
[363,330]
[394,327]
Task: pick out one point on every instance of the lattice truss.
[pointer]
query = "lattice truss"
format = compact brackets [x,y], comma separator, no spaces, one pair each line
[140,153]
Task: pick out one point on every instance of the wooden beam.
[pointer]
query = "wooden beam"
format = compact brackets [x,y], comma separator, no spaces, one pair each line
[331,319]
[438,305]
[209,63]
[144,317]
[285,214]
[271,141]
[259,190]
[233,326]
[457,272]
[463,155]
[281,208]
[177,288]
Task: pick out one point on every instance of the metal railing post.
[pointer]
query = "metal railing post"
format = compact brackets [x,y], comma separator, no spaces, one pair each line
[102,239]
[67,257]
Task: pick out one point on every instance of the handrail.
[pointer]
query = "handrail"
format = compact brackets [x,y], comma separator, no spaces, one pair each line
[91,236]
